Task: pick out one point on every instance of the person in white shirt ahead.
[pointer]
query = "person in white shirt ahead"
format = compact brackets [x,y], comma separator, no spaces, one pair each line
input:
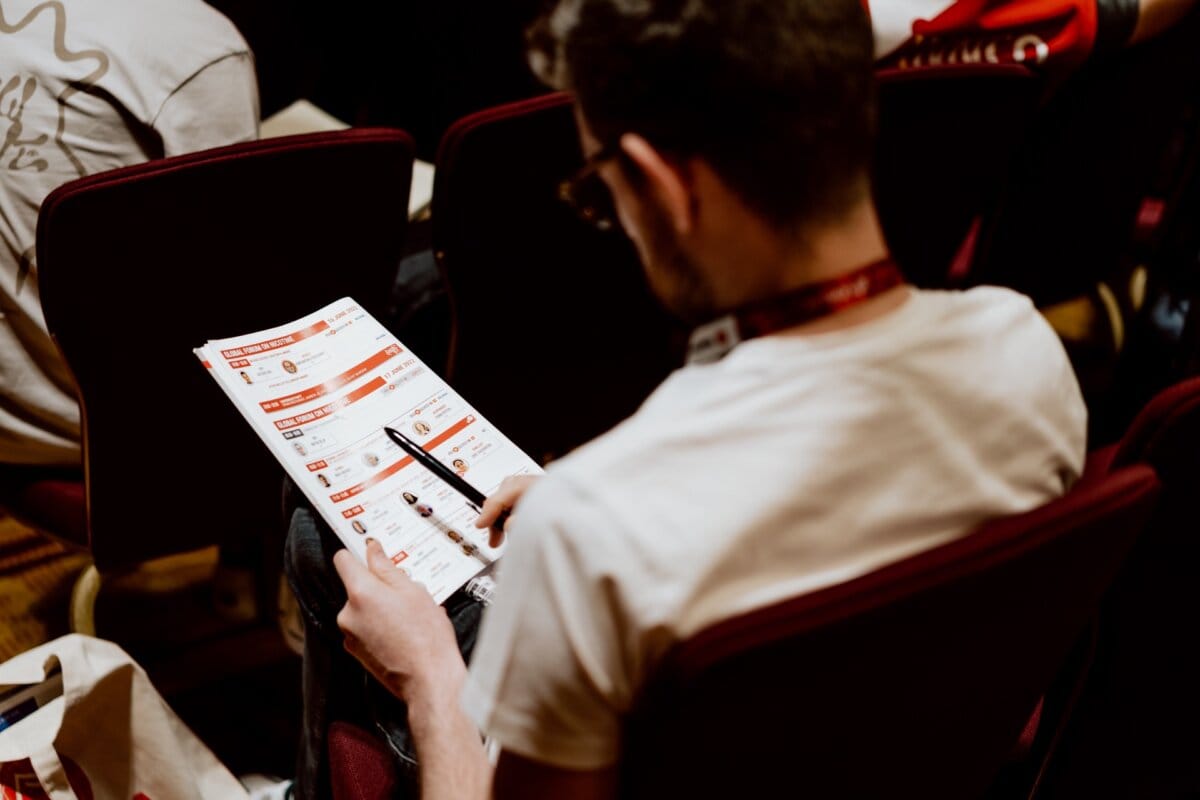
[88,86]
[859,421]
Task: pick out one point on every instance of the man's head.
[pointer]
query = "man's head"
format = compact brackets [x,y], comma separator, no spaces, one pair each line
[770,102]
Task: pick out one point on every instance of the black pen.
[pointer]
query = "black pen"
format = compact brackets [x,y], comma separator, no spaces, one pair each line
[475,497]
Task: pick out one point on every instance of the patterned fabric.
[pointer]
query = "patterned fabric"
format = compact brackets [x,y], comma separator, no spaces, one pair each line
[1040,34]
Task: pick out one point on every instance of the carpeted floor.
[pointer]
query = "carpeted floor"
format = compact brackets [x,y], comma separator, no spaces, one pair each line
[212,667]
[36,576]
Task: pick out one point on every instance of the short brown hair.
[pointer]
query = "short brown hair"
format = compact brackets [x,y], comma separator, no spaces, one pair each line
[777,95]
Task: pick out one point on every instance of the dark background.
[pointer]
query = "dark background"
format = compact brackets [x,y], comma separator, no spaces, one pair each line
[416,66]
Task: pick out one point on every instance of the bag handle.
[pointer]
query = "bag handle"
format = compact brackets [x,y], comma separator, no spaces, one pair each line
[51,774]
[33,667]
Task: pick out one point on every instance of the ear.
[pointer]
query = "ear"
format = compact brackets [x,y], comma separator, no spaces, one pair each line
[668,182]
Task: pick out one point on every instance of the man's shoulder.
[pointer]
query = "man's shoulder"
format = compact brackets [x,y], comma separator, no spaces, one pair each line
[985,329]
[994,299]
[983,317]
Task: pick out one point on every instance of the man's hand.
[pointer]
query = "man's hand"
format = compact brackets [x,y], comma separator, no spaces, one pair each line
[503,499]
[406,640]
[394,628]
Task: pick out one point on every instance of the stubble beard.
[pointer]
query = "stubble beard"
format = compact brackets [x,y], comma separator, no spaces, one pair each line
[675,279]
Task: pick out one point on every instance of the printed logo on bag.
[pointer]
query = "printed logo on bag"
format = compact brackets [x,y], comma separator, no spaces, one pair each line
[18,781]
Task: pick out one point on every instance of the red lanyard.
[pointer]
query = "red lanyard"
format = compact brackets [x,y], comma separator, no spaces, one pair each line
[710,342]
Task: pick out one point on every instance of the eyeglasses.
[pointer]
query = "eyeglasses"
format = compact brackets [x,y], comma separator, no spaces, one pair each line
[586,193]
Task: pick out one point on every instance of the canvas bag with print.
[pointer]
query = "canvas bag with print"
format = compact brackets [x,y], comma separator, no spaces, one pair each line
[107,734]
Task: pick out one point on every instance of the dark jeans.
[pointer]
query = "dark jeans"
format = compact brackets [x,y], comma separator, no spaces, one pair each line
[336,687]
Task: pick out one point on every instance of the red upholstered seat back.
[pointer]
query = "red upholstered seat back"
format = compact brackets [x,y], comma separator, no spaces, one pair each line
[556,335]
[945,143]
[138,266]
[50,501]
[1135,733]
[912,681]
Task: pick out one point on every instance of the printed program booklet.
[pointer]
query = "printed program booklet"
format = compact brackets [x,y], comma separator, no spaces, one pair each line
[320,390]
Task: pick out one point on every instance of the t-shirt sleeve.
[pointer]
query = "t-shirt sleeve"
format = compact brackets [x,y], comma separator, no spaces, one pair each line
[549,677]
[218,105]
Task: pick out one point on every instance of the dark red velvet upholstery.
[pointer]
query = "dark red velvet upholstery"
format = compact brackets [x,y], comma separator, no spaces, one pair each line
[945,142]
[362,764]
[913,681]
[138,266]
[941,160]
[47,500]
[556,336]
[1136,732]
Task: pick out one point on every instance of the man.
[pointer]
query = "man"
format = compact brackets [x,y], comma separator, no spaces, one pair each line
[831,420]
[87,87]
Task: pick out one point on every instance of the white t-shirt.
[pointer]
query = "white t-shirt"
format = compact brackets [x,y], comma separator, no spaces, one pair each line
[794,463]
[88,86]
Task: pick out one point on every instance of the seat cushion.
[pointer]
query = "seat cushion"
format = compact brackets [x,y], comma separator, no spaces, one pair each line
[360,765]
[49,500]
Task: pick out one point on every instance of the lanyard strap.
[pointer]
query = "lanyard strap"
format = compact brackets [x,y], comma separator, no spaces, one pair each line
[713,340]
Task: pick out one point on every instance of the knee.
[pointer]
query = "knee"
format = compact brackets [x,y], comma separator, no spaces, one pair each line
[308,564]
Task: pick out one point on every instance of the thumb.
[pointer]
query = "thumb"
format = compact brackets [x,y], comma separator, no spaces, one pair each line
[380,565]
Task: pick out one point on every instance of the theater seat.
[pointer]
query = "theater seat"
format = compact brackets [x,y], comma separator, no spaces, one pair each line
[913,681]
[1135,731]
[946,139]
[556,335]
[139,265]
[363,765]
[50,501]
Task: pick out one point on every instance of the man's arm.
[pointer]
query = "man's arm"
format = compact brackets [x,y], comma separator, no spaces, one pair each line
[518,777]
[405,640]
[453,764]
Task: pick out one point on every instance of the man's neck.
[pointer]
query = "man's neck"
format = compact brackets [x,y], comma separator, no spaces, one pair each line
[835,251]
[772,264]
[828,252]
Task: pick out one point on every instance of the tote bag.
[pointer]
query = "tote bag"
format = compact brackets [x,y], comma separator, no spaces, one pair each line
[79,720]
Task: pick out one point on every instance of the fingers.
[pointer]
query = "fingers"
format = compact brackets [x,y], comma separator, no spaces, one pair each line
[353,572]
[380,565]
[347,622]
[354,646]
[503,500]
[496,532]
[493,507]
